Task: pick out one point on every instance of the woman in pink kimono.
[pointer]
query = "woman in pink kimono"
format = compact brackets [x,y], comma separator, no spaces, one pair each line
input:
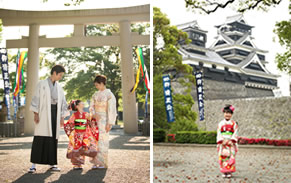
[227,142]
[103,109]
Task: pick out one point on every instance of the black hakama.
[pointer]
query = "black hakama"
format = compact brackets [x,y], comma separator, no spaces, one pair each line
[44,149]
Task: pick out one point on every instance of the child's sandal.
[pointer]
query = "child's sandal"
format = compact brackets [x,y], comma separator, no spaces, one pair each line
[55,169]
[94,167]
[77,168]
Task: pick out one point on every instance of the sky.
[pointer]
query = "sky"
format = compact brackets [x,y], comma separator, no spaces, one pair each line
[57,31]
[59,4]
[263,22]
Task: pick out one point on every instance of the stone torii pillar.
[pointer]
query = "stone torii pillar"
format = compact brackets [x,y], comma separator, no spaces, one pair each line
[128,98]
[32,75]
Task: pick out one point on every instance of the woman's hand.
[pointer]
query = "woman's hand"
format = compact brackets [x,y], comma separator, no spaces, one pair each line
[108,127]
[88,116]
[36,118]
[97,117]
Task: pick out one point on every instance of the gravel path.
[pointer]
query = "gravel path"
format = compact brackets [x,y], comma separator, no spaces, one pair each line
[200,164]
[129,161]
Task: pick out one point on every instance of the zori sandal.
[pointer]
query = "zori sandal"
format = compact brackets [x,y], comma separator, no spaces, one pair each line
[32,170]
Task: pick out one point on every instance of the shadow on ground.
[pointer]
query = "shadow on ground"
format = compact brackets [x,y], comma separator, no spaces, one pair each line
[77,176]
[130,142]
[68,177]
[28,177]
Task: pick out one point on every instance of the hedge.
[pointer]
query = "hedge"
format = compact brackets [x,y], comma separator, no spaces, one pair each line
[159,135]
[200,137]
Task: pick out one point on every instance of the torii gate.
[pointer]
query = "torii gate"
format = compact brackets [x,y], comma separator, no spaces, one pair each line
[79,18]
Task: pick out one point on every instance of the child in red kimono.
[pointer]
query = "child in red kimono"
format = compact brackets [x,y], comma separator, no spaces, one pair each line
[82,142]
[227,142]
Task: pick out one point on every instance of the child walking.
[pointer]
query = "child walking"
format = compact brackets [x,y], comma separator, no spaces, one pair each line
[227,142]
[82,142]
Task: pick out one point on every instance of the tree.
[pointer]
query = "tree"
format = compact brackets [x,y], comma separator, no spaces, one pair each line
[166,58]
[0,30]
[210,6]
[82,64]
[73,2]
[282,29]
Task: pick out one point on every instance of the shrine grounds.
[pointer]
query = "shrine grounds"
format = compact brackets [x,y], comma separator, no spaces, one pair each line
[129,161]
[199,163]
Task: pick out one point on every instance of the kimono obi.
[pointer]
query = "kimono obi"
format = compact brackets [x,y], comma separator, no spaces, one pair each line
[227,130]
[80,122]
[101,106]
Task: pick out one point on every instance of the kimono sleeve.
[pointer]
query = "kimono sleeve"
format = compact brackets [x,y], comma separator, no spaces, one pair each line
[219,138]
[64,107]
[34,106]
[69,126]
[112,109]
[234,135]
[92,103]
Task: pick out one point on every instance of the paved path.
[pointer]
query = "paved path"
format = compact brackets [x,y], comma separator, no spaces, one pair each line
[129,161]
[200,164]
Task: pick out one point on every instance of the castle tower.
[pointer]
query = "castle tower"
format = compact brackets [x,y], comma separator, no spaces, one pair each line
[233,66]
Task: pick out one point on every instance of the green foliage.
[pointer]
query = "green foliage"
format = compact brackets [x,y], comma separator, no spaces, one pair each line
[82,64]
[183,125]
[166,44]
[159,135]
[70,2]
[1,28]
[81,87]
[283,31]
[200,137]
[166,47]
[160,116]
[210,6]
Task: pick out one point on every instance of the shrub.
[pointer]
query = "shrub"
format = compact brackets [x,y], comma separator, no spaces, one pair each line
[159,135]
[199,137]
[183,125]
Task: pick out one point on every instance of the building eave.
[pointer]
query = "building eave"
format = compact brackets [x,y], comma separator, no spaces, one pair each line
[259,73]
[262,86]
[238,46]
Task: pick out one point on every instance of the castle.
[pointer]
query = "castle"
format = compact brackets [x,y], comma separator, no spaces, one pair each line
[233,67]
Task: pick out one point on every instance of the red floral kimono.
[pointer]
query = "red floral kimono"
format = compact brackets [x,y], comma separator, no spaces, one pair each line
[82,142]
[227,130]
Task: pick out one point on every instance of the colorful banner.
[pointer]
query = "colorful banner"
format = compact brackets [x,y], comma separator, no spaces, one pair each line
[144,73]
[168,98]
[146,105]
[5,74]
[15,99]
[200,94]
[19,80]
[19,73]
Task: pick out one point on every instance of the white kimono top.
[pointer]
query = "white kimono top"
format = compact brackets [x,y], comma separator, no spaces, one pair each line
[41,104]
[227,130]
[110,100]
